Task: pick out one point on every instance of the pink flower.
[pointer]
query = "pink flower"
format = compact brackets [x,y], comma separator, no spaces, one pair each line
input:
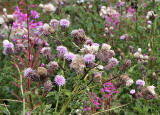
[64,23]
[34,14]
[132,91]
[140,82]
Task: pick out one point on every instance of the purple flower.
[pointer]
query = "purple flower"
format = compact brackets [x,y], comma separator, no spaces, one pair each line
[59,80]
[89,58]
[149,22]
[34,14]
[54,23]
[64,23]
[140,82]
[69,56]
[6,43]
[8,47]
[61,51]
[122,4]
[132,91]
[114,62]
[122,37]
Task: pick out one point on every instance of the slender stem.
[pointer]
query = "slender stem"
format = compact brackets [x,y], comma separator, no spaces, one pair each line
[98,113]
[7,109]
[57,100]
[65,105]
[21,86]
[28,33]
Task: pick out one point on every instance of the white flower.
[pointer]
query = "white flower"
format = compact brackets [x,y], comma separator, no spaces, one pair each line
[129,82]
[105,47]
[151,89]
[93,49]
[48,7]
[1,20]
[5,42]
[46,27]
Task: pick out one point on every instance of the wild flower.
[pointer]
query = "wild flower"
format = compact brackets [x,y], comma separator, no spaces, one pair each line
[89,58]
[90,49]
[97,76]
[69,56]
[140,82]
[47,7]
[42,71]
[132,91]
[46,51]
[61,51]
[59,80]
[64,23]
[47,86]
[34,14]
[54,24]
[122,4]
[28,72]
[8,47]
[79,36]
[126,80]
[78,64]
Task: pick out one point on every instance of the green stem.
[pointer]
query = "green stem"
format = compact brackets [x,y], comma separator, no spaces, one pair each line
[21,86]
[57,100]
[65,105]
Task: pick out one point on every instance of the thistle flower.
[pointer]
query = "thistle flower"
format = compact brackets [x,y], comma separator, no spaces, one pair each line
[114,62]
[52,66]
[122,4]
[97,76]
[89,58]
[69,56]
[79,36]
[78,64]
[64,23]
[105,47]
[46,51]
[54,24]
[90,49]
[30,73]
[42,71]
[151,90]
[127,80]
[105,53]
[48,7]
[47,86]
[140,82]
[61,51]
[1,20]
[8,47]
[132,91]
[19,48]
[59,80]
